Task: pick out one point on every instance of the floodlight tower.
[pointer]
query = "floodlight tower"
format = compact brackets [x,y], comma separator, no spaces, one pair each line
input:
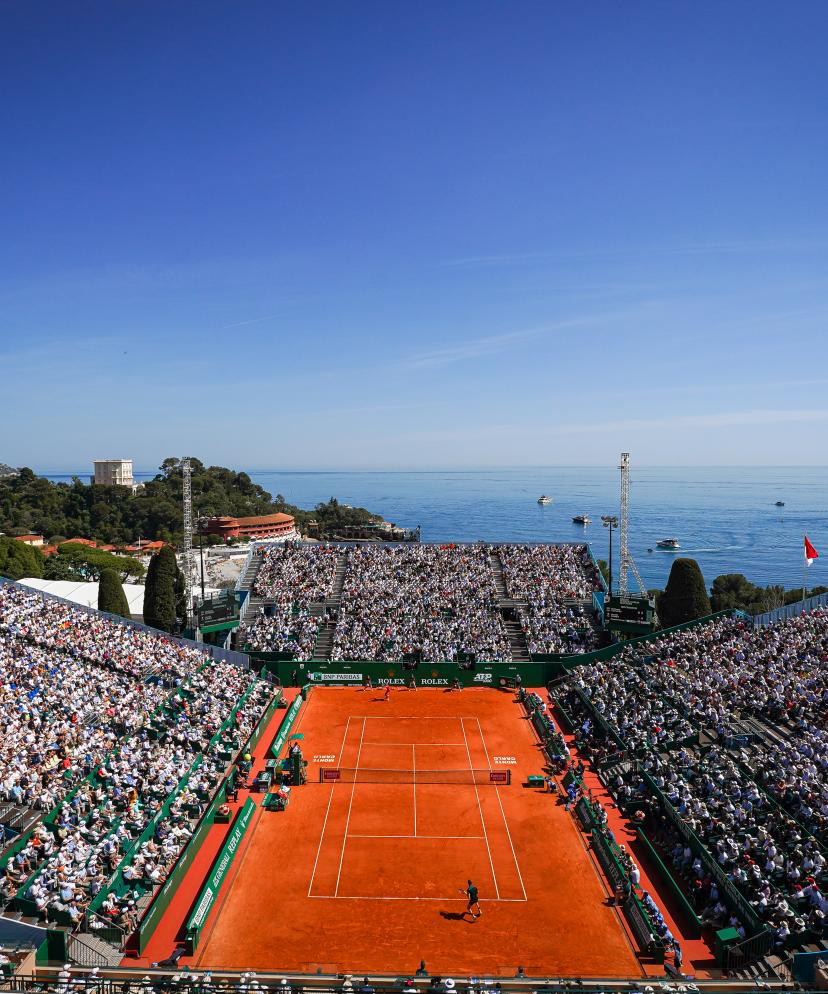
[626,560]
[189,560]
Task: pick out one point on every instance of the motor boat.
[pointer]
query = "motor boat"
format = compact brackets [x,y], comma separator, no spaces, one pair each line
[668,543]
[780,503]
[582,519]
[543,499]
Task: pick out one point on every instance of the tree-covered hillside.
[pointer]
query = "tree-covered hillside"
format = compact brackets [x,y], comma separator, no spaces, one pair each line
[115,515]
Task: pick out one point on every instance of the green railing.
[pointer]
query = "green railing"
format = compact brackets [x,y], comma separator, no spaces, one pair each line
[211,888]
[696,924]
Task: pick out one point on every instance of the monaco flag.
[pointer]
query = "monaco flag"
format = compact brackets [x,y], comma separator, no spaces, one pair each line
[810,552]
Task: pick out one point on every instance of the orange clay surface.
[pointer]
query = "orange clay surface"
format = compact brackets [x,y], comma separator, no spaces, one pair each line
[366,877]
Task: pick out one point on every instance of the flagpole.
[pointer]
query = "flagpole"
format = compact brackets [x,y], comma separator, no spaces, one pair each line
[804,570]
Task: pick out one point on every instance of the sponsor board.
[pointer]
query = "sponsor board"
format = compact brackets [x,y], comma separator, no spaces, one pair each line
[499,776]
[393,681]
[331,775]
[336,677]
[428,681]
[482,677]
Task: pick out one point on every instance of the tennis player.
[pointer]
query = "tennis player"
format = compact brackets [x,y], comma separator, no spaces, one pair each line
[472,895]
[387,696]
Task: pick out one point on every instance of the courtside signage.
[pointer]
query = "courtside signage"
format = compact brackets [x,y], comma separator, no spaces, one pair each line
[336,677]
[213,885]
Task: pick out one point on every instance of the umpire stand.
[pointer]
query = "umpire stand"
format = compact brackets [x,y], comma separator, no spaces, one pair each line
[297,767]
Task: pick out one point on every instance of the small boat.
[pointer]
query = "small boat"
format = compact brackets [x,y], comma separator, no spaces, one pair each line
[543,499]
[668,543]
[649,550]
[582,519]
[780,503]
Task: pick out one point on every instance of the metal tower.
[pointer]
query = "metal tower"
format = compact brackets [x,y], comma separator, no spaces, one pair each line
[627,562]
[189,559]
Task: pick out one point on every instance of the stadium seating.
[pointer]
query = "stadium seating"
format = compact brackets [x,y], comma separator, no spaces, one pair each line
[435,602]
[119,737]
[716,736]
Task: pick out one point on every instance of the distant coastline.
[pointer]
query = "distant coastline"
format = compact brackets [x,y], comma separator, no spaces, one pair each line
[723,516]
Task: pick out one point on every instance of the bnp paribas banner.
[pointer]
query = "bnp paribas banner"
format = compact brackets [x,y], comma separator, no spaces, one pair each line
[336,677]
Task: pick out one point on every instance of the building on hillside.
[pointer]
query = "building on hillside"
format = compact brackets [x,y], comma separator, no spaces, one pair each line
[275,527]
[37,540]
[143,548]
[113,472]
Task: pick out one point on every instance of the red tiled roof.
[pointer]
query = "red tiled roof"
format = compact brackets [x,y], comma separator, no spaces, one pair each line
[264,519]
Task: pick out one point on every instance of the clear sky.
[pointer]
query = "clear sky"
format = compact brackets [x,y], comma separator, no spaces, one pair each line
[322,235]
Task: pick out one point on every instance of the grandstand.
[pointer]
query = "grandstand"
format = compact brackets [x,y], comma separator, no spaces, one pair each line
[686,835]
[390,602]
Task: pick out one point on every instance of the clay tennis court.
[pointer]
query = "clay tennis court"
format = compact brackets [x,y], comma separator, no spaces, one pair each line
[363,876]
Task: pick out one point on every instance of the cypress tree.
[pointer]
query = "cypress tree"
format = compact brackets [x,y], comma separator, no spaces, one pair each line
[159,592]
[685,597]
[18,559]
[111,596]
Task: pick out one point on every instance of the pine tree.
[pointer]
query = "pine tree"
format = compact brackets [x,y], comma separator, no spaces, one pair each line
[685,597]
[159,592]
[111,596]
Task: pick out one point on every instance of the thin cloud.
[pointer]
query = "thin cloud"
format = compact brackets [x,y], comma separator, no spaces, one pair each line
[241,324]
[487,345]
[735,247]
[470,349]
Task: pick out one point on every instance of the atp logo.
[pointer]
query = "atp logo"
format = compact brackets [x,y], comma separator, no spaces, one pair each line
[482,677]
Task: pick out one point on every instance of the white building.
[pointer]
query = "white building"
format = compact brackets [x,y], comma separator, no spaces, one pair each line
[117,472]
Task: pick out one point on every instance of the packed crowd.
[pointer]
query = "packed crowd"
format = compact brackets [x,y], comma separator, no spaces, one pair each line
[437,601]
[291,578]
[550,578]
[107,728]
[296,575]
[755,788]
[278,628]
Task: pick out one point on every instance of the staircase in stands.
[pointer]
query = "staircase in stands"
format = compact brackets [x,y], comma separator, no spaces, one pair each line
[330,608]
[509,610]
[248,581]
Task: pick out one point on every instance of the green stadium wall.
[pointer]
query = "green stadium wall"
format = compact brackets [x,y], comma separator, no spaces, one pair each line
[537,672]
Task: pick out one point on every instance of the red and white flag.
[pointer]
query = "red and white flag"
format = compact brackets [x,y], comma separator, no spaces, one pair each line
[810,552]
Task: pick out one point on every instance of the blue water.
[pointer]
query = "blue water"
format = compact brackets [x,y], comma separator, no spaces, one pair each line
[723,518]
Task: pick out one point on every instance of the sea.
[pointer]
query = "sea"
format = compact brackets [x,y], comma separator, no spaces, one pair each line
[726,519]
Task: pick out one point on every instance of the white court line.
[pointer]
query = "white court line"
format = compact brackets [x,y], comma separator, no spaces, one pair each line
[411,717]
[414,784]
[327,810]
[459,744]
[350,805]
[480,809]
[479,838]
[505,822]
[373,897]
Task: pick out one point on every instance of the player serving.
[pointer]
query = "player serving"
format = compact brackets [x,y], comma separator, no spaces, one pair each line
[471,893]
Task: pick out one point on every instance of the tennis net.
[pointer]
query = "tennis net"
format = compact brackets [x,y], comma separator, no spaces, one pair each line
[343,774]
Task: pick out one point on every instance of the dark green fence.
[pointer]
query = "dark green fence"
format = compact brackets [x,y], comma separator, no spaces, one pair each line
[210,891]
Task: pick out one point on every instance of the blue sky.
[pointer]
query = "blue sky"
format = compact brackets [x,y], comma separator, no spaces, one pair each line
[413,235]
